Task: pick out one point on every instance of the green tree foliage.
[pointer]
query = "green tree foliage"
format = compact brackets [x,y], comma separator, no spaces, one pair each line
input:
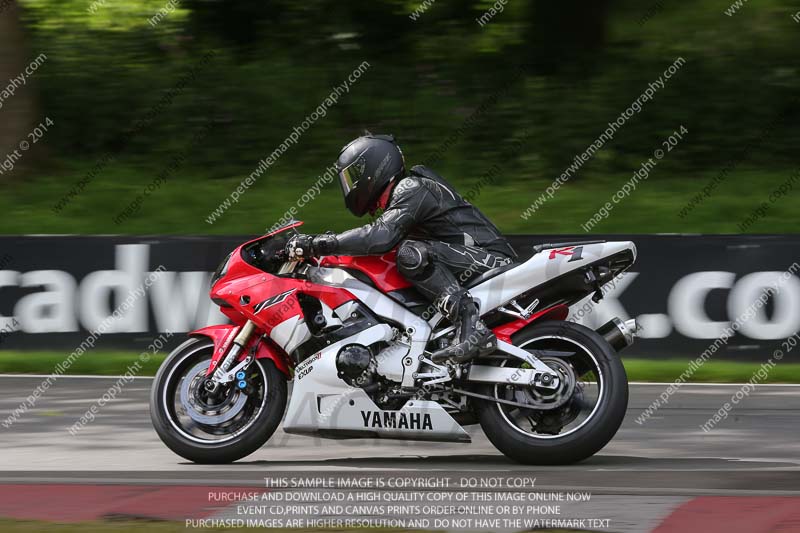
[581,64]
[16,113]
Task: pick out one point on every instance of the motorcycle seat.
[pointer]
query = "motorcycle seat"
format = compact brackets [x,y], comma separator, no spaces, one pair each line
[489,274]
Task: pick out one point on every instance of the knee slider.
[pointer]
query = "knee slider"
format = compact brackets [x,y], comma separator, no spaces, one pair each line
[413,259]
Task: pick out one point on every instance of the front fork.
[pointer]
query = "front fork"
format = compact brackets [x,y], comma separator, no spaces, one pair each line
[226,372]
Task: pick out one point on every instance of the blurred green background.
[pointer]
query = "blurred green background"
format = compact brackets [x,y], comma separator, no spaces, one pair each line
[442,79]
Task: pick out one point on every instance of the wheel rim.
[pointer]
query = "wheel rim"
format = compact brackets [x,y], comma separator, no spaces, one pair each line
[203,419]
[589,388]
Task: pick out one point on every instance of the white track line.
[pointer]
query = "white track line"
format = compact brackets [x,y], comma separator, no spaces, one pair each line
[637,383]
[32,477]
[71,376]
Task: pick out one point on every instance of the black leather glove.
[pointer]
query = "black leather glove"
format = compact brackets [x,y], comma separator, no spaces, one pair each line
[303,246]
[325,244]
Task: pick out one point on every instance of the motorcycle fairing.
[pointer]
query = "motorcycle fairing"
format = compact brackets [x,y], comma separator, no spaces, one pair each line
[541,269]
[254,297]
[272,303]
[381,270]
[323,404]
[504,332]
[416,327]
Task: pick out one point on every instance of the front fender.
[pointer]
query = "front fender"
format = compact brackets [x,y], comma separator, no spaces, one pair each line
[222,336]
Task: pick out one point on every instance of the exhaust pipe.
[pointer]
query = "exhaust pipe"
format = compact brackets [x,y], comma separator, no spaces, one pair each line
[619,334]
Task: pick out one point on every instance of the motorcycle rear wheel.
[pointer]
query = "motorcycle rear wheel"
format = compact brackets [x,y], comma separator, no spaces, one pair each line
[598,372]
[214,430]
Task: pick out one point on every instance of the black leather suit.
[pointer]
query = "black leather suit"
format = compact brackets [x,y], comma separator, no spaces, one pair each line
[444,240]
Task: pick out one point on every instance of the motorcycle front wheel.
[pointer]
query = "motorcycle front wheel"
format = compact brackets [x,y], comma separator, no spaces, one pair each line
[219,427]
[571,423]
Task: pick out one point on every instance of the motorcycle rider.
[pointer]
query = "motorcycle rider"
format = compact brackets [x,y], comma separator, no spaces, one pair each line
[440,235]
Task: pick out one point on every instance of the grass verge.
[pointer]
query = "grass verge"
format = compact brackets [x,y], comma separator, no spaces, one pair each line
[95,363]
[117,363]
[669,370]
[27,204]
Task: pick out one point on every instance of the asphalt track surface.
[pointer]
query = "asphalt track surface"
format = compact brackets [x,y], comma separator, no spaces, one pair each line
[644,475]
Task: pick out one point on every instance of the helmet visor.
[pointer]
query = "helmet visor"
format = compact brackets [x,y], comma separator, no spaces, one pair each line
[349,176]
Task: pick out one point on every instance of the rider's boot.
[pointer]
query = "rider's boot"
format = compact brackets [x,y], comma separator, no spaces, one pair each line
[474,337]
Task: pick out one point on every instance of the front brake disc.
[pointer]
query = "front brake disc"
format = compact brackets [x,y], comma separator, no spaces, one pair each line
[204,414]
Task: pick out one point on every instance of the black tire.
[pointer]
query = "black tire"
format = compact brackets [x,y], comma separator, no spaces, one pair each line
[586,440]
[259,431]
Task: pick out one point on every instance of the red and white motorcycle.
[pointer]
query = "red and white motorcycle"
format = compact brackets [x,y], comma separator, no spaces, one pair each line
[355,339]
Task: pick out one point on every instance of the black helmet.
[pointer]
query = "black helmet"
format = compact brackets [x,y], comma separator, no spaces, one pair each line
[366,166]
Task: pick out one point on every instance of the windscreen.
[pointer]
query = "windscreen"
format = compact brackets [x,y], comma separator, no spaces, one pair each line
[267,253]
